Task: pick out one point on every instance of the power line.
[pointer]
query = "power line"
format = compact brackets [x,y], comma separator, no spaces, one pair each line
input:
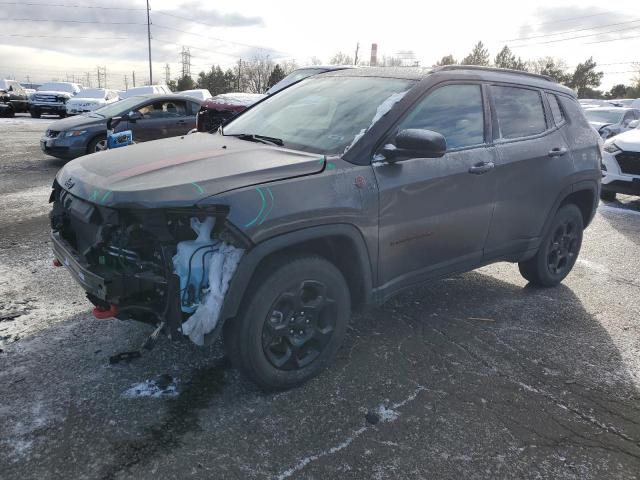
[577,37]
[67,21]
[62,5]
[58,36]
[570,31]
[574,18]
[213,38]
[612,40]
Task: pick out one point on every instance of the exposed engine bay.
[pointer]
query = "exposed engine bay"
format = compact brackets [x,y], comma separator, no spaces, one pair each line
[169,267]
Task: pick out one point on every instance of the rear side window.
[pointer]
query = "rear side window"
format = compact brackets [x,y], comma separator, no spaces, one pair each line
[556,110]
[519,110]
[454,111]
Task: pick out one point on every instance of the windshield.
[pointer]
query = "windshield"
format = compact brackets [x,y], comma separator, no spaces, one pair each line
[92,93]
[293,77]
[119,108]
[604,116]
[322,115]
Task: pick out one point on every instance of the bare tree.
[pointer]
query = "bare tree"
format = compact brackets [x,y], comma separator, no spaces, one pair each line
[341,58]
[314,61]
[255,73]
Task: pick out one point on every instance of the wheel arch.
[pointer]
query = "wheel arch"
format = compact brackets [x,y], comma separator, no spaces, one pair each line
[341,244]
[584,194]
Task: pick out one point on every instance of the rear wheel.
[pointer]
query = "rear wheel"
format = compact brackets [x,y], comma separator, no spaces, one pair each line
[292,325]
[98,144]
[607,195]
[558,251]
[34,113]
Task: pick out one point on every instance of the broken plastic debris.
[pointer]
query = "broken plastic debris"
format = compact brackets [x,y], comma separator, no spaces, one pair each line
[222,265]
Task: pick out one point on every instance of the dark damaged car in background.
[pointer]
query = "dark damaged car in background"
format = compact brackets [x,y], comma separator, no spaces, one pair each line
[334,194]
[149,117]
[13,98]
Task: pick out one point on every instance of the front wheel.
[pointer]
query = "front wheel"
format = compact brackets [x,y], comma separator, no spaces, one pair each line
[292,325]
[34,113]
[558,251]
[98,144]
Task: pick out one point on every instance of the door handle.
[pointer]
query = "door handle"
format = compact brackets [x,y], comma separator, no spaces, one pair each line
[557,152]
[480,168]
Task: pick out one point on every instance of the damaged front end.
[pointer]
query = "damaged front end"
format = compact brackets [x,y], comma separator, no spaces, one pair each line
[149,264]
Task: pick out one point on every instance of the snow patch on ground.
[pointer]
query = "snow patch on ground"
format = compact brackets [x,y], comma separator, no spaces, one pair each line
[28,203]
[387,414]
[152,388]
[24,121]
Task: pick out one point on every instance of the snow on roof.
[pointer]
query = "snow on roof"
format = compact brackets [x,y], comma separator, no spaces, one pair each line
[243,99]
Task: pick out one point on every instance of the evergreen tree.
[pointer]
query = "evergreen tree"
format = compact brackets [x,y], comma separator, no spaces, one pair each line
[478,56]
[446,60]
[585,78]
[275,76]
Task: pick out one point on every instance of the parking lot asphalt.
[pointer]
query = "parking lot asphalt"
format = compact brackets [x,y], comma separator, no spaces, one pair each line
[477,376]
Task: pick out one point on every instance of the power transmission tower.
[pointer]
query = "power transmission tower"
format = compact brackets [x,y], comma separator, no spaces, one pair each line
[186,62]
[149,40]
[167,74]
[102,77]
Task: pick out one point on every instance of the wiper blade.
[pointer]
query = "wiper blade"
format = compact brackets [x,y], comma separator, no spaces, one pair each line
[252,137]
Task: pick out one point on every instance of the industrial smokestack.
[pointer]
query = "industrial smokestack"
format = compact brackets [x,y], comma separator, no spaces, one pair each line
[374,55]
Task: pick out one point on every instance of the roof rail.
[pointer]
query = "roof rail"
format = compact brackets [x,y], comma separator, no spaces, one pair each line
[491,69]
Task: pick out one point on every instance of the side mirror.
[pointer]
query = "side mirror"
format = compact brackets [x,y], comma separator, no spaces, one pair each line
[634,123]
[134,116]
[415,143]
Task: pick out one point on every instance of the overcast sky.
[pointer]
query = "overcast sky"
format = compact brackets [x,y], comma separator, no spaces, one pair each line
[30,42]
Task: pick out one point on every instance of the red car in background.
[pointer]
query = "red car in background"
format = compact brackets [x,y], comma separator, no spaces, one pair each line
[221,108]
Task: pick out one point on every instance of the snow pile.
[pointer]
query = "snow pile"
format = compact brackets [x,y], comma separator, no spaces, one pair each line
[381,111]
[222,265]
[163,386]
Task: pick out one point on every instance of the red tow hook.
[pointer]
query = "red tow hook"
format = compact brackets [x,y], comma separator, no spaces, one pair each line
[102,313]
[57,263]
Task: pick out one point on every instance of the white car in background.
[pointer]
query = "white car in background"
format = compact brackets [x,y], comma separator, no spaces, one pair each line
[89,99]
[146,90]
[199,93]
[621,164]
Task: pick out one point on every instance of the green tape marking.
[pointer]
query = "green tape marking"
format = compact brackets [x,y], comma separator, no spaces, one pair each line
[270,208]
[262,207]
[200,189]
[106,195]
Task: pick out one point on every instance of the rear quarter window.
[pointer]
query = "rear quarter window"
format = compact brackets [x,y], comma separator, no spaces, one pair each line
[519,110]
[556,109]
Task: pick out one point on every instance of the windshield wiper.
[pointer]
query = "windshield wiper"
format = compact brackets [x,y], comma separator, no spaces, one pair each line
[252,137]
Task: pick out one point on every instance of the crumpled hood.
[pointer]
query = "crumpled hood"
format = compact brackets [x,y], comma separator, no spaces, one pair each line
[628,141]
[181,171]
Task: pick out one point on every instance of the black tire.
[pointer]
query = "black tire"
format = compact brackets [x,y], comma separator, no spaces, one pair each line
[278,350]
[62,115]
[97,144]
[558,251]
[607,195]
[34,113]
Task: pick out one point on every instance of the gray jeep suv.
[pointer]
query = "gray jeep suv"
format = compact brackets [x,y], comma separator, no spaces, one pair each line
[333,195]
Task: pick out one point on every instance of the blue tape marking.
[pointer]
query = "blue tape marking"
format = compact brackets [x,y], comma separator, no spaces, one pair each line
[264,204]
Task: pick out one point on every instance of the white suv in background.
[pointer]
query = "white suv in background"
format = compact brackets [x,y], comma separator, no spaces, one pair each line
[621,164]
[89,99]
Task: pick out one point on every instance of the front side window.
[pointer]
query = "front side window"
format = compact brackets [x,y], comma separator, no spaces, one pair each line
[454,111]
[519,110]
[556,110]
[324,115]
[166,109]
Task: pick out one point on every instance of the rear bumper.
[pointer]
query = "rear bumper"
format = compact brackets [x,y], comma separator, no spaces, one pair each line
[91,282]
